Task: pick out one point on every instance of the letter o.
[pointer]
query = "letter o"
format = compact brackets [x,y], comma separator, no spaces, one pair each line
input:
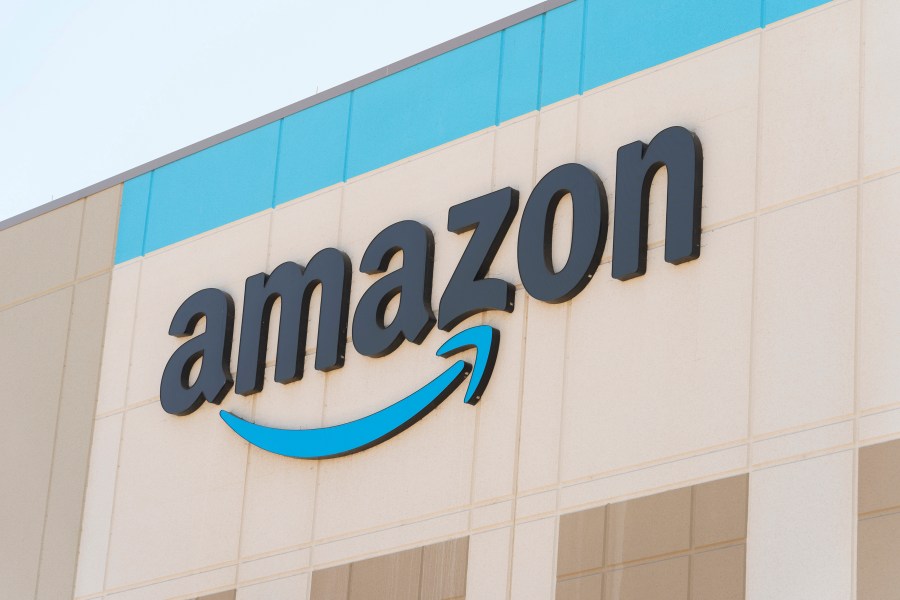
[590,223]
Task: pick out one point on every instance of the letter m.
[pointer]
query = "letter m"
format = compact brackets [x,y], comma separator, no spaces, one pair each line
[294,284]
[680,152]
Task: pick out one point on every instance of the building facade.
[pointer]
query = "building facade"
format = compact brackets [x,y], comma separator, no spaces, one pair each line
[598,303]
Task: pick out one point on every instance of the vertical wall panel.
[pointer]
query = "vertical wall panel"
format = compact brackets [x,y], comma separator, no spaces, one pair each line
[312,148]
[561,60]
[421,107]
[520,69]
[800,530]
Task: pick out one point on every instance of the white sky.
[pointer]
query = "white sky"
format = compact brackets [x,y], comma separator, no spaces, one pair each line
[90,88]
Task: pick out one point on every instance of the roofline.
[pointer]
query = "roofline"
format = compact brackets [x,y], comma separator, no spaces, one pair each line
[358,82]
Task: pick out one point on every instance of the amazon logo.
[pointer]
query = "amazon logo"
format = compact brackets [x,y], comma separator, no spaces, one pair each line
[486,220]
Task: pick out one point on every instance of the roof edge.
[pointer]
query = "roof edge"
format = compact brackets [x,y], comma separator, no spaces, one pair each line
[358,82]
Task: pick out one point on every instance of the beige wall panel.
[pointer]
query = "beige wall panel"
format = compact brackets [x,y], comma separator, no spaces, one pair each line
[40,265]
[662,580]
[423,470]
[487,574]
[557,136]
[331,584]
[188,587]
[303,227]
[98,233]
[659,365]
[804,313]
[542,394]
[498,424]
[589,587]
[533,560]
[514,161]
[420,189]
[32,352]
[803,443]
[809,103]
[392,577]
[222,259]
[719,511]
[117,343]
[881,94]
[287,588]
[280,492]
[415,532]
[444,570]
[581,540]
[530,505]
[878,577]
[178,494]
[272,565]
[718,574]
[799,531]
[714,94]
[73,438]
[879,477]
[98,505]
[879,289]
[648,527]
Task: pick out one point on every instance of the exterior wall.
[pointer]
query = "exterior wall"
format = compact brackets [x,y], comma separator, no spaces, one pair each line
[55,273]
[770,355]
[769,361]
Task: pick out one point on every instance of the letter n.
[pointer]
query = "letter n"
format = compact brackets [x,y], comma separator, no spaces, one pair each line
[637,163]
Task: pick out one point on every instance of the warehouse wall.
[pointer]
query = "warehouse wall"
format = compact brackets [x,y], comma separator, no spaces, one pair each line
[748,395]
[773,354]
[56,273]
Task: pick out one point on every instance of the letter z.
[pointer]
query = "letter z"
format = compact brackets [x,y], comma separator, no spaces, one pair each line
[469,292]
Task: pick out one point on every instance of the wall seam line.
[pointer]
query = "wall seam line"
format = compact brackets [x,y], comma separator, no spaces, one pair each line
[857,405]
[125,411]
[277,164]
[59,401]
[347,137]
[499,85]
[582,57]
[146,213]
[540,86]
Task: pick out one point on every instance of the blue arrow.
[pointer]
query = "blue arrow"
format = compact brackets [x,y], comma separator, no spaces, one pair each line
[354,436]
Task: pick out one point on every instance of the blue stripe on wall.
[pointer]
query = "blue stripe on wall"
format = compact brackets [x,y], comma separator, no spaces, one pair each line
[432,103]
[312,149]
[627,37]
[211,188]
[561,59]
[520,63]
[570,49]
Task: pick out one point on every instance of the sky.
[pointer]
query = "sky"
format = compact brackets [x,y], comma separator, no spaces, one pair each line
[90,88]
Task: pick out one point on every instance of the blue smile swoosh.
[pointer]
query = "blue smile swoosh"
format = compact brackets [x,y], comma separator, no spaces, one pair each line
[354,436]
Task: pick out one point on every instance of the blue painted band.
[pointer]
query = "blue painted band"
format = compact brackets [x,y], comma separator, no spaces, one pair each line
[556,55]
